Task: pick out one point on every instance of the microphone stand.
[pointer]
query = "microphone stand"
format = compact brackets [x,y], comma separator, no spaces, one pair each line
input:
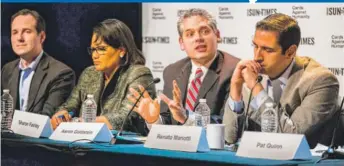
[259,78]
[331,153]
[113,140]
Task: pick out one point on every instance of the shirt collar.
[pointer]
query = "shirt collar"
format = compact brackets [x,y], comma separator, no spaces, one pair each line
[33,64]
[203,67]
[284,77]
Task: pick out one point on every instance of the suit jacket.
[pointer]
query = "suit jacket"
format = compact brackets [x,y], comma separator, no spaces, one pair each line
[113,105]
[50,86]
[214,88]
[308,101]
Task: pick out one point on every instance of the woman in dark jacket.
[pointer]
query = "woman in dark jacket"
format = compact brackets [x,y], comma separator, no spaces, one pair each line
[118,66]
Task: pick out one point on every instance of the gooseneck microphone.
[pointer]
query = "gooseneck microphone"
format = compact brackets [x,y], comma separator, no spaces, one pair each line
[258,80]
[331,153]
[155,80]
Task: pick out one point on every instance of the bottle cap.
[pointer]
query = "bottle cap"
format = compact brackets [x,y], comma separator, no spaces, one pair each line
[202,100]
[6,91]
[269,104]
[89,96]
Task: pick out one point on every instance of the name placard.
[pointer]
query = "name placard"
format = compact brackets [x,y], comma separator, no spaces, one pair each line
[179,138]
[73,131]
[31,124]
[278,146]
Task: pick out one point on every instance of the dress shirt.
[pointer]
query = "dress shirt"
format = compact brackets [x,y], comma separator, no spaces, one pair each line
[26,76]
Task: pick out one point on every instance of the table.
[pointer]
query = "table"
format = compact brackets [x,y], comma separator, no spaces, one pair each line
[21,150]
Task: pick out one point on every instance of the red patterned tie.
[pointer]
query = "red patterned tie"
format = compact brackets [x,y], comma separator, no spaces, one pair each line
[194,90]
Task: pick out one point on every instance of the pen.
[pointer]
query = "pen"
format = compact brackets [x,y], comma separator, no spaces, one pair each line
[71,113]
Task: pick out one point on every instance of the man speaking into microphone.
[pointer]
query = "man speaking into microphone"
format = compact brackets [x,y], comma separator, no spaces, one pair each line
[303,92]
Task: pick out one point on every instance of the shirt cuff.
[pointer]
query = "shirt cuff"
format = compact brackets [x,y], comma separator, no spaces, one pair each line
[191,119]
[259,100]
[159,121]
[235,106]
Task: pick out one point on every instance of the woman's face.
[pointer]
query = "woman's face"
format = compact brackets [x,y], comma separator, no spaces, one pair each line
[105,58]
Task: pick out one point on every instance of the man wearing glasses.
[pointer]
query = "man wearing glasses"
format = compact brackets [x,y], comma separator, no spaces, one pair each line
[37,82]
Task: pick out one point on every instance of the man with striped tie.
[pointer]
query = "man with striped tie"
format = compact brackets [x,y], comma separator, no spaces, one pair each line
[204,73]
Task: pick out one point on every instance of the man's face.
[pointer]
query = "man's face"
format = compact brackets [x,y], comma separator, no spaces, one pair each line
[26,42]
[268,53]
[198,39]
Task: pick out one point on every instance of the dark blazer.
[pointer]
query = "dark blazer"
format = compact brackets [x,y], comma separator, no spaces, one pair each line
[112,99]
[214,88]
[307,103]
[51,84]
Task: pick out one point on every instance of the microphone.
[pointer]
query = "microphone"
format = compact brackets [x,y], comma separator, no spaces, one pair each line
[258,80]
[330,153]
[155,80]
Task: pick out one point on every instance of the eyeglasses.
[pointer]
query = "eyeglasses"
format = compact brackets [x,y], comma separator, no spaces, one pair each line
[99,50]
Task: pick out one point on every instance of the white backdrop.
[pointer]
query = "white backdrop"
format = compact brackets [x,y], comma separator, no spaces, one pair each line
[322,31]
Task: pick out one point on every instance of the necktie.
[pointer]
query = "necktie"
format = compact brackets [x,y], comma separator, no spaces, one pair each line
[194,90]
[276,90]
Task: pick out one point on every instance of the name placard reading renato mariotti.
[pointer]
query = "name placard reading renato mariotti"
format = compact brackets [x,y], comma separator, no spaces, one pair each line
[278,146]
[174,137]
[180,138]
[72,131]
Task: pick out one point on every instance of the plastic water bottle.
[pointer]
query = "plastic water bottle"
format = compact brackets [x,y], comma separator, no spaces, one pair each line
[6,110]
[269,120]
[89,109]
[202,114]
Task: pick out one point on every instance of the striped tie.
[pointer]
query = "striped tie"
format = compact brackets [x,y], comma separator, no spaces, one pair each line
[194,90]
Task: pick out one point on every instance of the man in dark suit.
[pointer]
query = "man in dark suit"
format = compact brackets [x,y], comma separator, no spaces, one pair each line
[37,82]
[204,74]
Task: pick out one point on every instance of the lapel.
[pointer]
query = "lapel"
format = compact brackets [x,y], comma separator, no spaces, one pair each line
[37,79]
[183,78]
[14,84]
[211,77]
[294,76]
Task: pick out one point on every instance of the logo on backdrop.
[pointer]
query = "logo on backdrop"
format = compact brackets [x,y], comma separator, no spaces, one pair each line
[156,39]
[307,41]
[335,11]
[229,40]
[337,71]
[261,12]
[158,14]
[337,41]
[225,13]
[157,66]
[299,12]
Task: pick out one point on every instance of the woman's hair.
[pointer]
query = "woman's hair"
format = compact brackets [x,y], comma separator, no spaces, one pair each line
[118,35]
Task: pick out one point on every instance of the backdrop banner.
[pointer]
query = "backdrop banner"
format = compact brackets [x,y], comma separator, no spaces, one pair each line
[322,31]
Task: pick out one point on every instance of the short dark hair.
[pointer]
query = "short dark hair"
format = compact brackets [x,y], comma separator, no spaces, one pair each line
[117,34]
[287,28]
[40,22]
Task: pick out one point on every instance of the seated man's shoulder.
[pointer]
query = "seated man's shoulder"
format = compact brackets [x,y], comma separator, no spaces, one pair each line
[314,70]
[229,58]
[178,65]
[56,66]
[10,65]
